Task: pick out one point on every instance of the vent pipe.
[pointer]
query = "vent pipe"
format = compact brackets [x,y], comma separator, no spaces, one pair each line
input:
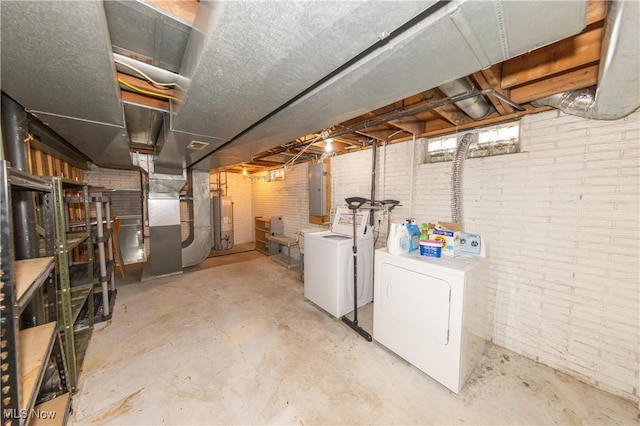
[476,108]
[618,91]
[14,136]
[198,246]
[456,177]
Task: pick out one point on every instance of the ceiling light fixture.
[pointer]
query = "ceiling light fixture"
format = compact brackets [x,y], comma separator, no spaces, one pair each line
[328,146]
[244,171]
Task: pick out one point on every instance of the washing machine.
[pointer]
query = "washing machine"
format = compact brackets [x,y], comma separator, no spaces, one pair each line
[328,264]
[432,312]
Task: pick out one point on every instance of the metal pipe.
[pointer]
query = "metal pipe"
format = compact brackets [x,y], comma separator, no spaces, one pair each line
[397,115]
[374,149]
[618,89]
[476,107]
[14,129]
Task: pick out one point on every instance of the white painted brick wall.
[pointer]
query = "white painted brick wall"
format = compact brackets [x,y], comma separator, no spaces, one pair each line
[561,219]
[113,178]
[288,198]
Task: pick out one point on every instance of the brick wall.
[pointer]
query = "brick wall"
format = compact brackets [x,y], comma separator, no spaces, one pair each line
[561,220]
[288,198]
[128,199]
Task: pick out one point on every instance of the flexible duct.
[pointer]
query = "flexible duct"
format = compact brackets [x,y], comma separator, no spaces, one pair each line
[476,108]
[456,177]
[618,91]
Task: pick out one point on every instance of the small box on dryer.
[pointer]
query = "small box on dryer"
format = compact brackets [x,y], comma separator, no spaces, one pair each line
[450,241]
[449,234]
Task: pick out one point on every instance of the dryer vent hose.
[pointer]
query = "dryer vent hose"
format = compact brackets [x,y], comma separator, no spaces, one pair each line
[456,177]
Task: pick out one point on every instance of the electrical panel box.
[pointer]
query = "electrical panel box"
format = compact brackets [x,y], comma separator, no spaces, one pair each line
[317,189]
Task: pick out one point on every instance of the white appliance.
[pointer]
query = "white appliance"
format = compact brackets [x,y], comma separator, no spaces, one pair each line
[431,312]
[328,263]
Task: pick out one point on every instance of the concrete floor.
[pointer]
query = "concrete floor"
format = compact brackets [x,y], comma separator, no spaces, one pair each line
[239,344]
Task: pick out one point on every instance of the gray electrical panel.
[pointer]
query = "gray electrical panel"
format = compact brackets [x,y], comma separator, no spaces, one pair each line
[317,189]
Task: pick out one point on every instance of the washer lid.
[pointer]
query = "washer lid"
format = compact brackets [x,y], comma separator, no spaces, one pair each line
[343,222]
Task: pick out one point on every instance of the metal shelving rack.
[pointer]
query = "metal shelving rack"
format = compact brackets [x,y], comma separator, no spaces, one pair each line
[76,293]
[26,352]
[103,271]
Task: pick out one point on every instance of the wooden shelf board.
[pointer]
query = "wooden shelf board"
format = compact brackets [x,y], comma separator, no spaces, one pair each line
[35,348]
[52,412]
[75,238]
[29,275]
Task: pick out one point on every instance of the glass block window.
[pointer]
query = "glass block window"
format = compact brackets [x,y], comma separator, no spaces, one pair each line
[488,141]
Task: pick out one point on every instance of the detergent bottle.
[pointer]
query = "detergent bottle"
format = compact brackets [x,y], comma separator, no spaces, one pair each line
[414,234]
[393,243]
[404,238]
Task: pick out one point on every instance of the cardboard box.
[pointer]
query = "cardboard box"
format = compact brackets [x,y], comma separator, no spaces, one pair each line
[450,240]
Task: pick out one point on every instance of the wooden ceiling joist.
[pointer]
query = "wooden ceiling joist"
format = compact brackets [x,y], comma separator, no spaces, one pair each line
[490,79]
[138,99]
[556,58]
[378,134]
[577,79]
[410,124]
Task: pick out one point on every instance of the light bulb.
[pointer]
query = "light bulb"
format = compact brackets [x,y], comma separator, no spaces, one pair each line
[244,171]
[327,146]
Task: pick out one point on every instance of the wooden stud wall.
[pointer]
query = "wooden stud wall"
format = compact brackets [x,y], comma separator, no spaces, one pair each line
[42,164]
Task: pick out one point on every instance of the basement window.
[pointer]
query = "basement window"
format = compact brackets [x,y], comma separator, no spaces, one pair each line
[488,141]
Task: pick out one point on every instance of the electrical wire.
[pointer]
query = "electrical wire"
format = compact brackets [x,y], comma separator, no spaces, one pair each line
[149,79]
[147,92]
[295,157]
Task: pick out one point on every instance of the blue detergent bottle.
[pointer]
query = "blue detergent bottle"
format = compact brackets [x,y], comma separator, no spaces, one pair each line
[414,234]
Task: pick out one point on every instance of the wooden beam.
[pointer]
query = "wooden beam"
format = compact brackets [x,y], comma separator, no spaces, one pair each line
[452,114]
[503,108]
[381,135]
[184,9]
[410,124]
[578,79]
[596,11]
[136,98]
[556,58]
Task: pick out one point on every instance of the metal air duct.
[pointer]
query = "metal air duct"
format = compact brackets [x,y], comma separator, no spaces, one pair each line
[198,246]
[245,60]
[476,108]
[57,63]
[449,40]
[618,91]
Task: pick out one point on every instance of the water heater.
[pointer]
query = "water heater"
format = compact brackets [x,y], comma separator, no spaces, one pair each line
[221,222]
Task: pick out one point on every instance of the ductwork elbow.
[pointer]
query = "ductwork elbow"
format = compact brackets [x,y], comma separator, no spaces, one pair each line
[476,108]
[618,91]
[581,102]
[198,246]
